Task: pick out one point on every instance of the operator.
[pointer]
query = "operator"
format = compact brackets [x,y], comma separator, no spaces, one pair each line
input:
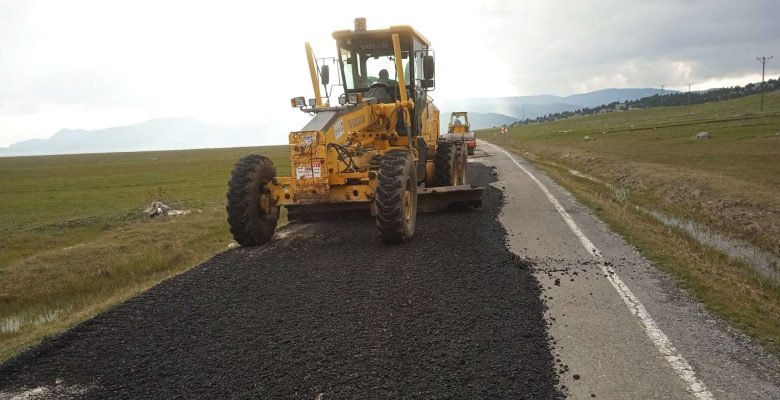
[384,77]
[457,121]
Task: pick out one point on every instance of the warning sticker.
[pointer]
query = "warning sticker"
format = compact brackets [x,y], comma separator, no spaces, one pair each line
[311,170]
[338,129]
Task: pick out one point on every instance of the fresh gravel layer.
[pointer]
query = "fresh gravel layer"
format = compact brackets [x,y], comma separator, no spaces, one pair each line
[326,312]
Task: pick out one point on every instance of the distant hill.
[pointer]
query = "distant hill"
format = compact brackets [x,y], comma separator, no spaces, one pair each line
[698,97]
[673,98]
[156,134]
[537,106]
[480,120]
[607,96]
[188,133]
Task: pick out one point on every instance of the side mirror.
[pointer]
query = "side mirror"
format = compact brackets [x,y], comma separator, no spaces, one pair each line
[428,68]
[325,74]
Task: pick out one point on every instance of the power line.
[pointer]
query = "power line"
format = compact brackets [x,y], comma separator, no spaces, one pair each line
[763,60]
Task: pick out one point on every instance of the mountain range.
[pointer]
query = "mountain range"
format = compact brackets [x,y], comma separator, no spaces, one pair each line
[189,133]
[155,134]
[491,112]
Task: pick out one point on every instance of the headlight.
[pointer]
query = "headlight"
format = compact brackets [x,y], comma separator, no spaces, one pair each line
[354,98]
[298,102]
[312,102]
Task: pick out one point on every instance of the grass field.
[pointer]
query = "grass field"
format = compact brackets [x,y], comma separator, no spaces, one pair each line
[624,163]
[74,241]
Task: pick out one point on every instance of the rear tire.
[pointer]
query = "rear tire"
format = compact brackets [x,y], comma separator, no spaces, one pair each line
[396,197]
[251,214]
[461,158]
[445,171]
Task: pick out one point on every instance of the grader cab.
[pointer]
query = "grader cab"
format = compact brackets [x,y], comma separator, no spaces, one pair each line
[459,123]
[378,150]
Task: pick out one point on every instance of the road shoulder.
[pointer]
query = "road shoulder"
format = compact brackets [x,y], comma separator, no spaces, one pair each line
[602,347]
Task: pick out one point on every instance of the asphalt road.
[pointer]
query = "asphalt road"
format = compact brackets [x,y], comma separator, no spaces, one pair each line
[621,328]
[326,311]
[529,297]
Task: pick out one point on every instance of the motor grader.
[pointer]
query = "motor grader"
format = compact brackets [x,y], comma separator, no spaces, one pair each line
[459,125]
[378,150]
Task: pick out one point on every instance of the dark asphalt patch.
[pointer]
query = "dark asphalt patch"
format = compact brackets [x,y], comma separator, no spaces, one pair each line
[328,311]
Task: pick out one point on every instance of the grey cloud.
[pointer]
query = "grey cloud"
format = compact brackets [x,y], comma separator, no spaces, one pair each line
[556,47]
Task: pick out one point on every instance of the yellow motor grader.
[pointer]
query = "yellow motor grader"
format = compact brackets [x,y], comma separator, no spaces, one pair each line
[379,150]
[459,125]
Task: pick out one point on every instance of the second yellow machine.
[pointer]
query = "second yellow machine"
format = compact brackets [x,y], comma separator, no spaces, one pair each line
[379,149]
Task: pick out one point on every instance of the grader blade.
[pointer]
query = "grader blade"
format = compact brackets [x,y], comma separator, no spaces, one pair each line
[439,198]
[319,212]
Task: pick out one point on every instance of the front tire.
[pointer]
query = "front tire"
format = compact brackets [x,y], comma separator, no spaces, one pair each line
[252,216]
[396,197]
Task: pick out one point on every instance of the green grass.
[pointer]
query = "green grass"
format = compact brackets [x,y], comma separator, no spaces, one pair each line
[73,240]
[729,184]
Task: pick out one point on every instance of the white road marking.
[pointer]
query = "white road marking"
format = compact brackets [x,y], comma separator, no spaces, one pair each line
[662,343]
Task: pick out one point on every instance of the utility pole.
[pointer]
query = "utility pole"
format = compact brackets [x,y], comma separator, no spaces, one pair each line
[763,61]
[662,94]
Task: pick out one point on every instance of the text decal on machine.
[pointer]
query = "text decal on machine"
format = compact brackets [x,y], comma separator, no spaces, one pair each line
[356,121]
[311,170]
[339,129]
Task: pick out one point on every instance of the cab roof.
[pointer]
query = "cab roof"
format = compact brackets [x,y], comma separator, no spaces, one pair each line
[403,29]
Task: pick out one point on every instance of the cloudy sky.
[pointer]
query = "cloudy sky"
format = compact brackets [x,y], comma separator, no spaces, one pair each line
[96,64]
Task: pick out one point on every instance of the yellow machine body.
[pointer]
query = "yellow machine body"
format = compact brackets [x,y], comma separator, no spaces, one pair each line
[318,176]
[334,157]
[459,123]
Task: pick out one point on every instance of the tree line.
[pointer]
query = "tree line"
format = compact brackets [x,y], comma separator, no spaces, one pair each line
[657,100]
